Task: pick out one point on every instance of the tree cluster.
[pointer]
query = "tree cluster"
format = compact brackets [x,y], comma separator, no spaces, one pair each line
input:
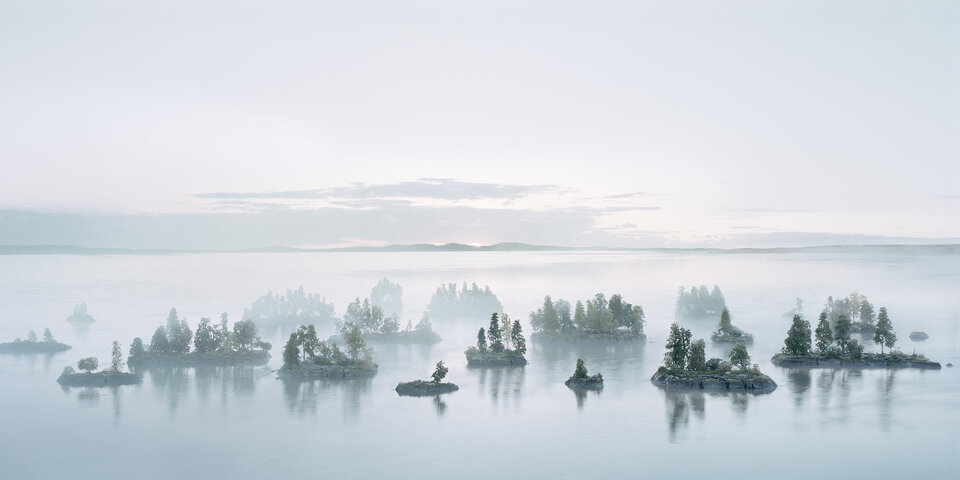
[32,337]
[498,339]
[175,337]
[368,318]
[449,303]
[682,355]
[387,296]
[304,348]
[856,307]
[727,332]
[700,301]
[798,341]
[296,307]
[598,315]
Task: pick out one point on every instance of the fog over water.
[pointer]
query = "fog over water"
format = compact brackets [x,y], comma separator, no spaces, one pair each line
[242,422]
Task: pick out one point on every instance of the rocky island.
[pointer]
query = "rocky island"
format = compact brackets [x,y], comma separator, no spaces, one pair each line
[597,320]
[378,328]
[106,378]
[32,345]
[686,367]
[727,333]
[499,353]
[581,381]
[214,345]
[305,357]
[835,348]
[423,388]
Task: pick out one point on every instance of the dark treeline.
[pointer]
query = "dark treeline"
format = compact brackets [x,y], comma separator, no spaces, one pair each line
[33,345]
[835,341]
[176,337]
[304,348]
[296,307]
[699,301]
[597,316]
[448,303]
[501,344]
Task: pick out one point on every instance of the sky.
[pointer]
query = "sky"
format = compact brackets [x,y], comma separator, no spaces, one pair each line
[237,124]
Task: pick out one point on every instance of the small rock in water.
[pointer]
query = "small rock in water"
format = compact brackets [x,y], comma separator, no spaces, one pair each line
[949,364]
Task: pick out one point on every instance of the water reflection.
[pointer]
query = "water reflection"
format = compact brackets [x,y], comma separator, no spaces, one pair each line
[173,384]
[679,404]
[800,381]
[439,405]
[885,389]
[503,385]
[302,397]
[558,360]
[581,396]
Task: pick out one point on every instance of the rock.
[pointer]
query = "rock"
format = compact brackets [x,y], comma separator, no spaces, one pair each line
[918,336]
[421,388]
[592,383]
[949,364]
[739,381]
[100,379]
[507,358]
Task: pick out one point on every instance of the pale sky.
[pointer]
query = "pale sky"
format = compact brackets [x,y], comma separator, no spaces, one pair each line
[574,123]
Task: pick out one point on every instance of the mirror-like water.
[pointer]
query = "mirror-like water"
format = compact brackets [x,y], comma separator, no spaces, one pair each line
[244,423]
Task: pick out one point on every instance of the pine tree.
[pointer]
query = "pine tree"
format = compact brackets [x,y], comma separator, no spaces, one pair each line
[739,356]
[47,336]
[580,317]
[842,332]
[698,356]
[866,312]
[678,347]
[798,337]
[159,343]
[725,323]
[580,373]
[440,372]
[883,334]
[824,334]
[481,340]
[516,336]
[291,352]
[116,357]
[136,348]
[495,335]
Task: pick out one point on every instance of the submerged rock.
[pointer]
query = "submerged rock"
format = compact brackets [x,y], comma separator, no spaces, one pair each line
[422,388]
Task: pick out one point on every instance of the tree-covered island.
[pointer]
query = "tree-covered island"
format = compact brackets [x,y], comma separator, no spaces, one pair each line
[597,319]
[699,302]
[105,378]
[379,328]
[423,388]
[499,346]
[835,348]
[685,366]
[306,357]
[582,381]
[272,311]
[80,315]
[727,333]
[449,304]
[33,345]
[212,344]
[856,308]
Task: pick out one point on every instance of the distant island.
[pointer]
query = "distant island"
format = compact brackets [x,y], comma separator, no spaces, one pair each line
[32,345]
[727,333]
[105,378]
[598,319]
[854,307]
[447,303]
[376,327]
[423,388]
[273,312]
[80,315]
[700,302]
[306,357]
[581,381]
[499,353]
[212,344]
[686,367]
[835,348]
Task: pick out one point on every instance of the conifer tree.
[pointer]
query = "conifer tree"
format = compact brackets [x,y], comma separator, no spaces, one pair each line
[440,372]
[481,340]
[494,335]
[698,356]
[798,337]
[516,336]
[883,334]
[824,334]
[116,357]
[841,333]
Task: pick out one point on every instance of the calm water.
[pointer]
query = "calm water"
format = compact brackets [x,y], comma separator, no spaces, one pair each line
[244,423]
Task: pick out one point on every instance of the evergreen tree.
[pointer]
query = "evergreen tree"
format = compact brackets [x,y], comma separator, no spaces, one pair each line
[494,335]
[205,340]
[866,312]
[883,334]
[481,340]
[159,342]
[678,347]
[357,348]
[136,348]
[47,336]
[824,334]
[551,319]
[698,356]
[855,349]
[740,357]
[798,337]
[440,372]
[580,373]
[32,336]
[580,317]
[516,335]
[841,333]
[291,352]
[116,357]
[725,323]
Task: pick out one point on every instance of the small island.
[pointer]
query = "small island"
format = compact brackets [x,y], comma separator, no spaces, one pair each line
[423,388]
[854,307]
[686,367]
[699,302]
[581,381]
[449,304]
[31,345]
[847,352]
[727,333]
[305,357]
[499,353]
[214,345]
[106,378]
[80,315]
[596,320]
[272,312]
[376,327]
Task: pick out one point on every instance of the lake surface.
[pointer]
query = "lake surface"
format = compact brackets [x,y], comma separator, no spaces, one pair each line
[243,423]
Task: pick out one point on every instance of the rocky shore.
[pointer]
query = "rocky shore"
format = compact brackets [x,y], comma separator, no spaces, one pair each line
[737,381]
[422,388]
[99,379]
[868,360]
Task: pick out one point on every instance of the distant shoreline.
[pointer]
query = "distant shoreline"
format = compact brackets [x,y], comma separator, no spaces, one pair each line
[949,249]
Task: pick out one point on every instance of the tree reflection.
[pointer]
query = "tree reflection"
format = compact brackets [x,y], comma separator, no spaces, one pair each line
[302,396]
[503,385]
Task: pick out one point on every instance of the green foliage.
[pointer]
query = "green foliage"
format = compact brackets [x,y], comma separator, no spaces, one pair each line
[357,348]
[388,297]
[245,334]
[448,303]
[116,357]
[725,323]
[159,342]
[698,301]
[599,316]
[494,335]
[308,341]
[697,361]
[88,364]
[798,340]
[580,373]
[481,340]
[516,337]
[291,351]
[713,364]
[205,340]
[841,333]
[136,348]
[824,335]
[883,334]
[678,347]
[47,336]
[740,357]
[295,308]
[855,349]
[580,317]
[866,312]
[440,372]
